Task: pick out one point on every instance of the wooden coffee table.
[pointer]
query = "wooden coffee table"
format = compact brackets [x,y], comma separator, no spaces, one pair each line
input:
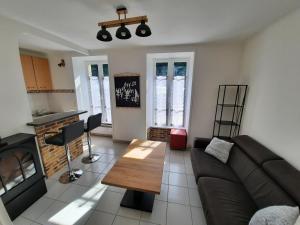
[140,171]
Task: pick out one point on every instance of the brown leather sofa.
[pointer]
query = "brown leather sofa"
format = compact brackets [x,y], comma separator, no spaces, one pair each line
[253,178]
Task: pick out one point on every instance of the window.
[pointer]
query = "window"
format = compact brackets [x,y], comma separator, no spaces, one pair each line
[170,83]
[99,90]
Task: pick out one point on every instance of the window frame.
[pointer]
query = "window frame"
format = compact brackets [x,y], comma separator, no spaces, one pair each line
[100,78]
[169,86]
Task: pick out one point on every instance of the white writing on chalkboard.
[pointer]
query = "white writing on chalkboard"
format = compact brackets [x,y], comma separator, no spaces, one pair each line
[128,92]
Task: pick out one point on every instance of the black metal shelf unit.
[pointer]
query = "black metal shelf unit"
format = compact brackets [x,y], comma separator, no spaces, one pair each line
[229,110]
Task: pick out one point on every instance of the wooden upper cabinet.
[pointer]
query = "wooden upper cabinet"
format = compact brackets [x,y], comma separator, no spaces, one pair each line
[42,73]
[36,73]
[28,72]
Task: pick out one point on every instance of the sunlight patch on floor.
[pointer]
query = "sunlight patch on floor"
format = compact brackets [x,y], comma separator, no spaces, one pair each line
[72,213]
[80,207]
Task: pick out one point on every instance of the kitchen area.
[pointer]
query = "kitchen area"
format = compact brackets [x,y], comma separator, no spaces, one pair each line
[53,104]
[46,94]
[49,82]
[25,158]
[40,96]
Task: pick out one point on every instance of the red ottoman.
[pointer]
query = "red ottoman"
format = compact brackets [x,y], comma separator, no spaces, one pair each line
[178,139]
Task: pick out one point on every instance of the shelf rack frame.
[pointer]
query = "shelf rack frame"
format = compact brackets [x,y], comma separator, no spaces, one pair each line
[237,103]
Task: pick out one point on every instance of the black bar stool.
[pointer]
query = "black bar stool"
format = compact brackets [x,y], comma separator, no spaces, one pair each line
[93,122]
[68,134]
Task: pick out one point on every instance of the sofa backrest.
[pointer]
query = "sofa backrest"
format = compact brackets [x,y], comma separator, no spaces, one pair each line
[286,176]
[256,151]
[252,163]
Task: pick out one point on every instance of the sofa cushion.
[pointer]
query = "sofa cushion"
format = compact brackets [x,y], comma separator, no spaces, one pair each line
[225,202]
[286,176]
[264,191]
[241,164]
[205,165]
[254,149]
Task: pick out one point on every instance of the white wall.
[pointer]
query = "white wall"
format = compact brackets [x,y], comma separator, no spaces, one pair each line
[214,64]
[272,68]
[62,77]
[15,108]
[128,122]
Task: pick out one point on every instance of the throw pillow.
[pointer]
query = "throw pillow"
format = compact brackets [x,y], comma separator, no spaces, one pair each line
[220,149]
[275,215]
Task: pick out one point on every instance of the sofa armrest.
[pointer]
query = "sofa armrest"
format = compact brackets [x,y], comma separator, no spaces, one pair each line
[201,142]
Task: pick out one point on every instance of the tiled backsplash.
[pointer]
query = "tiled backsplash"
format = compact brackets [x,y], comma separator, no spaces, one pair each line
[55,102]
[39,102]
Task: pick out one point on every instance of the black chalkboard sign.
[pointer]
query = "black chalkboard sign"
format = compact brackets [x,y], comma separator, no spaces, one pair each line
[127,91]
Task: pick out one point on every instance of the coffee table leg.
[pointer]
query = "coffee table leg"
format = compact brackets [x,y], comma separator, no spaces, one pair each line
[138,200]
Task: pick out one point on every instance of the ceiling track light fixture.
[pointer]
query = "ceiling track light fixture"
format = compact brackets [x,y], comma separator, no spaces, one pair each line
[104,35]
[123,32]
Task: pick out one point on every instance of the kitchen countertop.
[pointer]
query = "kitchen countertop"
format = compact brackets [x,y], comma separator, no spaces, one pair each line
[54,117]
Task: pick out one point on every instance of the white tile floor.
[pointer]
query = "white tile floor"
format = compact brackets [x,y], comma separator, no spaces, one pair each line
[88,202]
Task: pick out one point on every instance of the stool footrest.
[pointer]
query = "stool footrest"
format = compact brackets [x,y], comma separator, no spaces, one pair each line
[90,159]
[70,176]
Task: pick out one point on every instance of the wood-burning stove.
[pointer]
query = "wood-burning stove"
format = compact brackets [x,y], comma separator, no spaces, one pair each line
[21,176]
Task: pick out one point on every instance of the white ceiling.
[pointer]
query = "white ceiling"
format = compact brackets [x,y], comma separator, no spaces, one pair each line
[172,21]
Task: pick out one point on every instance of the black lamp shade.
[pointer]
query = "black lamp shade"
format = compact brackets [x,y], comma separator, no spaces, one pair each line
[143,30]
[104,35]
[123,32]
